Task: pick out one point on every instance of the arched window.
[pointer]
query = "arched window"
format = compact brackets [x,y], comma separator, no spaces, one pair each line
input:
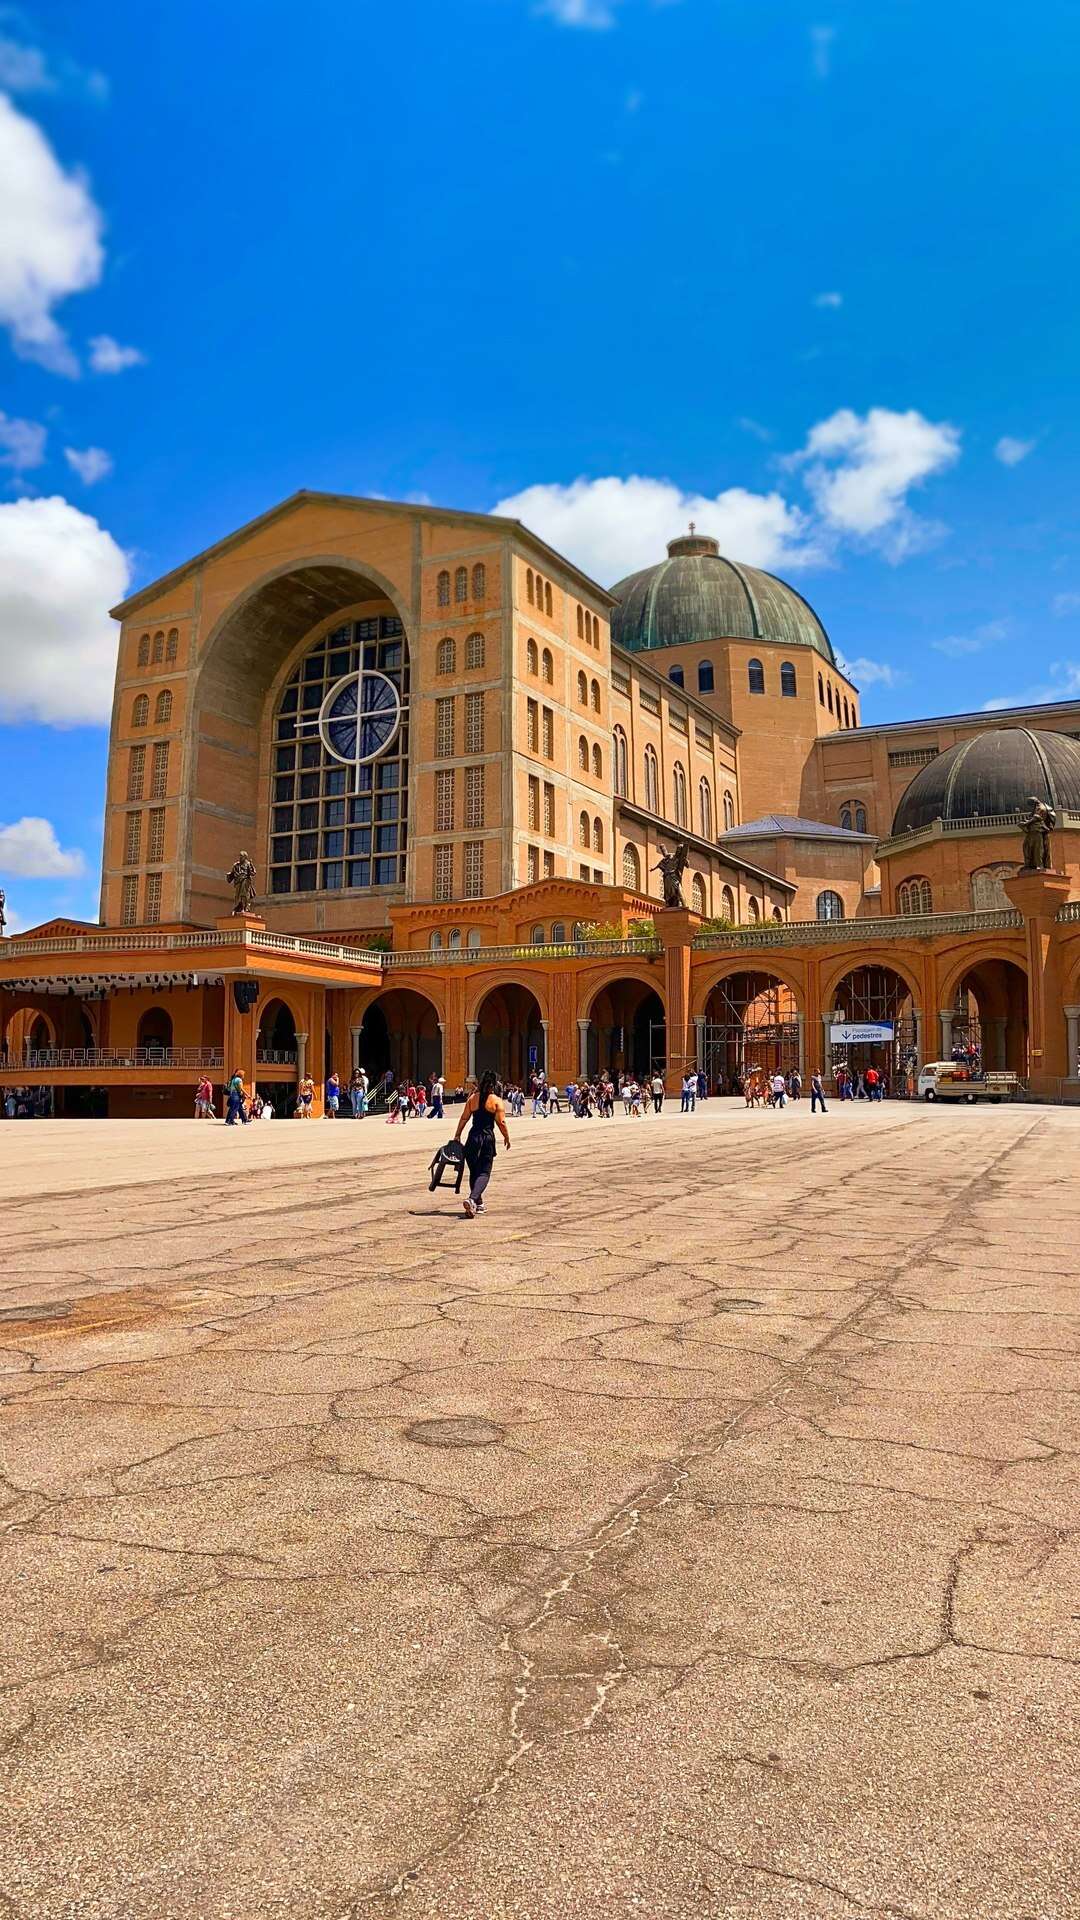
[583,829]
[914,896]
[474,650]
[172,645]
[705,676]
[729,812]
[583,753]
[537,936]
[140,712]
[582,690]
[829,905]
[597,762]
[845,817]
[727,904]
[461,583]
[854,715]
[618,761]
[853,816]
[532,657]
[453,939]
[144,649]
[828,691]
[860,817]
[788,683]
[755,674]
[652,780]
[580,623]
[676,676]
[163,709]
[752,909]
[445,652]
[631,868]
[697,894]
[820,691]
[479,581]
[155,1030]
[435,942]
[558,934]
[443,589]
[846,721]
[529,594]
[547,598]
[598,835]
[778,916]
[678,781]
[547,665]
[705,808]
[594,695]
[474,938]
[157,651]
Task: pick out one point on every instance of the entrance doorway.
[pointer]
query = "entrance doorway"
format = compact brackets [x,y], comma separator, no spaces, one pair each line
[400,1035]
[876,996]
[751,1024]
[509,1035]
[627,1030]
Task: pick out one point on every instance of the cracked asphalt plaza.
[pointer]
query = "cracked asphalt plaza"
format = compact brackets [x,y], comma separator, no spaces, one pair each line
[737,1574]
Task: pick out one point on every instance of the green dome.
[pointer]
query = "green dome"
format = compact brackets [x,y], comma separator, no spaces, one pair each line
[697,595]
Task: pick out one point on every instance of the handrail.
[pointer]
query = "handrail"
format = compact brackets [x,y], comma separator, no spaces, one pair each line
[915,926]
[523,950]
[190,1057]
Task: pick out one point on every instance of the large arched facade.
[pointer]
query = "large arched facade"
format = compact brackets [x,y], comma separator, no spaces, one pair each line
[400,1035]
[626,1029]
[875,1006]
[507,1033]
[751,1023]
[984,1015]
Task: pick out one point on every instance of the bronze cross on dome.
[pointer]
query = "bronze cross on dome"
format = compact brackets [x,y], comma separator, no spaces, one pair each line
[692,527]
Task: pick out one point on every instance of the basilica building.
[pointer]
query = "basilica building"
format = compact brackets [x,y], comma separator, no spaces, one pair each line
[455,762]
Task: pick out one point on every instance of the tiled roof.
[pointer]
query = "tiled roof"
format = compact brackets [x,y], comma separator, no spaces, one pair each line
[789,824]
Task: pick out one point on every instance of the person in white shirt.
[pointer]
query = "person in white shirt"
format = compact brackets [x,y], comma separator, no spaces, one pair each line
[779,1087]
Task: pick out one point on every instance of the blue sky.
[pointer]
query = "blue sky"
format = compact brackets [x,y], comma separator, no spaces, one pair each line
[805,272]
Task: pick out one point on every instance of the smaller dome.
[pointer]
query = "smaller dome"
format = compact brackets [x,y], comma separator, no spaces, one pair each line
[994,772]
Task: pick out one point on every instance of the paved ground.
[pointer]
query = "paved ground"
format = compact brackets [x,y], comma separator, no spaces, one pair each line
[695,1535]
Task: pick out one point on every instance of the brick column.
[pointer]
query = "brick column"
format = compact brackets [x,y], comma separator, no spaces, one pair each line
[946,1015]
[1038,895]
[675,928]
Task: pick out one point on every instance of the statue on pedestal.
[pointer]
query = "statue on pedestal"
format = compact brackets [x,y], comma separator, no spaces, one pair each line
[3,915]
[671,867]
[241,878]
[1036,830]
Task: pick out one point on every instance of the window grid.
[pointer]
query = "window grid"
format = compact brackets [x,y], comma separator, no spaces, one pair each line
[549,734]
[159,770]
[547,668]
[444,873]
[549,810]
[152,898]
[155,839]
[140,712]
[157,652]
[136,773]
[442,589]
[474,645]
[474,797]
[532,716]
[534,804]
[144,650]
[461,584]
[163,710]
[474,869]
[444,656]
[532,863]
[324,838]
[479,581]
[129,900]
[172,646]
[549,864]
[444,802]
[444,728]
[474,723]
[132,839]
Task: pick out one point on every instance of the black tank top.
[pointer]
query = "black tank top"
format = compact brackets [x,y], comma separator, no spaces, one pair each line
[483,1121]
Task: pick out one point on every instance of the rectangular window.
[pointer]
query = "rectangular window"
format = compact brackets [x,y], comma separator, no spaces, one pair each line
[549,864]
[549,734]
[583,873]
[152,898]
[136,773]
[533,716]
[159,773]
[549,810]
[444,728]
[532,863]
[474,797]
[155,845]
[132,839]
[474,723]
[444,803]
[444,873]
[534,805]
[129,900]
[474,869]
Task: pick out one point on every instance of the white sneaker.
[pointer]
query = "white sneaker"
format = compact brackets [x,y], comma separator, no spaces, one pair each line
[470,1209]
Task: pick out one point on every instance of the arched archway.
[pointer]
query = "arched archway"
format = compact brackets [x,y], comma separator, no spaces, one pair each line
[876,1004]
[627,1031]
[276,1040]
[984,1018]
[509,1038]
[399,1035]
[751,1024]
[41,1035]
[155,1031]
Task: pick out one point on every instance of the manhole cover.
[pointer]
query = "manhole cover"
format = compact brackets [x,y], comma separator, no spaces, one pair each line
[739,1306]
[50,1310]
[455,1433]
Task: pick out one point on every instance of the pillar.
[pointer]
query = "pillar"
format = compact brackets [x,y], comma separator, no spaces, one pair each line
[826,1040]
[301,1055]
[583,1049]
[441,1024]
[1038,896]
[801,1042]
[675,927]
[544,1045]
[1072,1044]
[239,1039]
[354,1036]
[946,1015]
[997,1027]
[916,1013]
[699,1041]
[472,1028]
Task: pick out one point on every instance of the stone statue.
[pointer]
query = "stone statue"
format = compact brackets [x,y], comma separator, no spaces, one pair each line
[241,878]
[3,915]
[1036,830]
[671,867]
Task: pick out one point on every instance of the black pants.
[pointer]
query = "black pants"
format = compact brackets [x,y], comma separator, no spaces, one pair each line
[815,1096]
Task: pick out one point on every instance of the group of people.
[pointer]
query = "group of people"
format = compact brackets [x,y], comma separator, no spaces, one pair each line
[410,1102]
[599,1094]
[27,1103]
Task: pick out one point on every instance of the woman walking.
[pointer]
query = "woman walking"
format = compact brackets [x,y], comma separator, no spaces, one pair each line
[485,1110]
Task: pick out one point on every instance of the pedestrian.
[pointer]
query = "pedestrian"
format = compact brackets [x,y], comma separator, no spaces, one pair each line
[689,1093]
[872,1080]
[234,1095]
[779,1090]
[332,1099]
[636,1101]
[358,1088]
[204,1099]
[306,1095]
[702,1086]
[485,1110]
[438,1087]
[817,1092]
[796,1084]
[657,1090]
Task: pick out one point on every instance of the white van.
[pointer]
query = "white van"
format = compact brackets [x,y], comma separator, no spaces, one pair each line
[950,1080]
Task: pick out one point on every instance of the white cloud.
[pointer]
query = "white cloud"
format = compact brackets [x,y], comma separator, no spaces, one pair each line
[108,356]
[1010,452]
[23,69]
[755,427]
[29,848]
[958,646]
[22,443]
[60,572]
[828,299]
[872,673]
[1063,604]
[91,463]
[594,14]
[50,241]
[821,46]
[610,527]
[860,467]
[1063,684]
